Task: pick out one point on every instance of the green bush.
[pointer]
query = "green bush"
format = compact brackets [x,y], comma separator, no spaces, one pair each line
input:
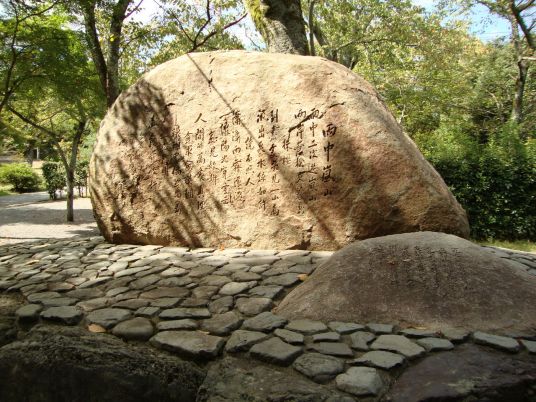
[20,176]
[54,174]
[495,182]
[81,175]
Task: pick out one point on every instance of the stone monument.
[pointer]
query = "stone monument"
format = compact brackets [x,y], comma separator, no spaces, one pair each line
[248,149]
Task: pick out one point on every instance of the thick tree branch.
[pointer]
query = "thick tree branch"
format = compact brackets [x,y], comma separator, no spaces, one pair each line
[92,38]
[516,11]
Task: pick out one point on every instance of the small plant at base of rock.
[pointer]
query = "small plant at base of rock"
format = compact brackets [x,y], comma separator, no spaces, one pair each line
[20,176]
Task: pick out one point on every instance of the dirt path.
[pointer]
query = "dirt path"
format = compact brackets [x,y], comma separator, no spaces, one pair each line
[33,216]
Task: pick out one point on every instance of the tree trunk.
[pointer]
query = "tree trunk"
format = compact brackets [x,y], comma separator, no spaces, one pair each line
[107,68]
[522,71]
[521,80]
[281,24]
[70,195]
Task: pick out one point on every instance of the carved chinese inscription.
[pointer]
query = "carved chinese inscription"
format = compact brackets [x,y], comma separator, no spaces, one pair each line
[255,164]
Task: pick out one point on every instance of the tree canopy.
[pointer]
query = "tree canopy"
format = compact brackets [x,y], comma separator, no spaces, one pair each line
[64,63]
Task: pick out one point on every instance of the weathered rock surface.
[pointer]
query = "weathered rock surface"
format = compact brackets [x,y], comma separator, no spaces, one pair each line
[467,373]
[202,152]
[238,380]
[424,279]
[70,364]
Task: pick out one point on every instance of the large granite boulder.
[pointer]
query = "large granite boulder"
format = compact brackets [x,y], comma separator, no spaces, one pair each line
[70,364]
[423,279]
[245,149]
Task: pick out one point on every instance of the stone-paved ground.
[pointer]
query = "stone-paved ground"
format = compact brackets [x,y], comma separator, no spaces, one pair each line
[205,304]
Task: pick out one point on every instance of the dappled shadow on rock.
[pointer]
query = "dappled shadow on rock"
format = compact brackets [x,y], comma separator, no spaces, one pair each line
[205,151]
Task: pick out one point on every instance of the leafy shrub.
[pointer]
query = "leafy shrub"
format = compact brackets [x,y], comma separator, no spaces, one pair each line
[495,182]
[54,174]
[81,175]
[20,176]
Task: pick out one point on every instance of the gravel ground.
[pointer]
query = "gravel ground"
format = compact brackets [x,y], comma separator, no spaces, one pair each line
[33,216]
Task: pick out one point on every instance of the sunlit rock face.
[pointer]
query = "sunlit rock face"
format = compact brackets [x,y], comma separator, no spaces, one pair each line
[246,149]
[420,280]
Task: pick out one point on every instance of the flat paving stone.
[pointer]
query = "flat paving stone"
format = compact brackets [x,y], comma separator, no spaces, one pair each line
[234,288]
[166,302]
[345,328]
[173,271]
[108,317]
[145,281]
[285,280]
[319,368]
[69,315]
[85,294]
[201,271]
[399,344]
[435,344]
[261,260]
[251,306]
[195,302]
[294,338]
[59,301]
[147,311]
[418,333]
[242,341]
[59,286]
[271,291]
[136,329]
[161,292]
[529,345]
[307,327]
[379,359]
[189,343]
[275,351]
[380,328]
[118,266]
[222,324]
[259,269]
[327,337]
[132,304]
[221,305]
[175,282]
[215,280]
[29,312]
[130,271]
[39,297]
[185,312]
[241,276]
[332,349]
[265,322]
[177,325]
[360,381]
[204,292]
[455,335]
[498,342]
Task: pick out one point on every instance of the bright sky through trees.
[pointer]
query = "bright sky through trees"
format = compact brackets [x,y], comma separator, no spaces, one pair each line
[483,25]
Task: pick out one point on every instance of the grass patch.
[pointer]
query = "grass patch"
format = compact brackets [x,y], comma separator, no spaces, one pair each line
[5,189]
[521,245]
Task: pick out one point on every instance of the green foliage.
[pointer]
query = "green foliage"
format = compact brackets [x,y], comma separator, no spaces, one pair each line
[54,175]
[521,245]
[20,176]
[495,182]
[81,175]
